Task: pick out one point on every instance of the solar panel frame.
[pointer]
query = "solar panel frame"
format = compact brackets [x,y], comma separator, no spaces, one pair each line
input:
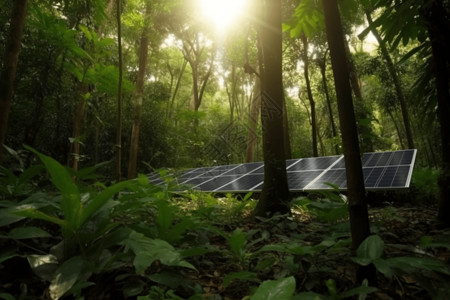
[381,170]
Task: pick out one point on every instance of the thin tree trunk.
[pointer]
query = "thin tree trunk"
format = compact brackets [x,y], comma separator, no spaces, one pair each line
[287,138]
[10,60]
[397,129]
[359,218]
[396,81]
[255,107]
[77,127]
[275,193]
[134,144]
[177,87]
[312,103]
[365,131]
[118,147]
[322,66]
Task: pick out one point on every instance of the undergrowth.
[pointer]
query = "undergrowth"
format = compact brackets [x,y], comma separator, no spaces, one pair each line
[77,238]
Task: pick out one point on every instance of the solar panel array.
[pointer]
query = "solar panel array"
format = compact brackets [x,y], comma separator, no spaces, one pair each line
[382,171]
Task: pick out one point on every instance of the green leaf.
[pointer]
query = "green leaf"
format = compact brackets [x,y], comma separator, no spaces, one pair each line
[7,296]
[71,202]
[29,232]
[407,264]
[43,266]
[383,267]
[237,241]
[66,276]
[240,275]
[101,199]
[148,250]
[363,261]
[308,296]
[360,290]
[372,248]
[36,214]
[281,289]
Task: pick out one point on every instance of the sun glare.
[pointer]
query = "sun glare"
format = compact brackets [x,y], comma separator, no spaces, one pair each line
[222,13]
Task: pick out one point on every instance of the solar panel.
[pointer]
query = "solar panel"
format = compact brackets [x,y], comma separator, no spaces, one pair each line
[382,171]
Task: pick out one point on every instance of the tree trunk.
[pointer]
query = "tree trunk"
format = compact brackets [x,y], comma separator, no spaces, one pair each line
[134,144]
[287,139]
[275,193]
[77,128]
[438,34]
[322,66]
[397,129]
[8,73]
[255,107]
[310,96]
[359,219]
[118,147]
[365,131]
[395,79]
[177,87]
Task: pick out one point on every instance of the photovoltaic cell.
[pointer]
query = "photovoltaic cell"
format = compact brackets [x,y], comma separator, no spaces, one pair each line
[381,170]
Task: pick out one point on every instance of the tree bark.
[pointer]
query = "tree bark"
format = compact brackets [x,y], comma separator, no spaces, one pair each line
[275,193]
[397,129]
[77,127]
[437,26]
[287,138]
[134,144]
[118,146]
[312,103]
[255,107]
[395,80]
[359,219]
[177,87]
[322,66]
[8,73]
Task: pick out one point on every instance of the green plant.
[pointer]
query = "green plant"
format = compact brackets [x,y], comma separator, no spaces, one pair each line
[91,243]
[371,250]
[330,207]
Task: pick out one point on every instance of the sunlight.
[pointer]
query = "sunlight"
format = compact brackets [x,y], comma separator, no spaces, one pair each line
[222,12]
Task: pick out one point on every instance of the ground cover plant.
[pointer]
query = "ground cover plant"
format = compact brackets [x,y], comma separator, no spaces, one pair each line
[65,235]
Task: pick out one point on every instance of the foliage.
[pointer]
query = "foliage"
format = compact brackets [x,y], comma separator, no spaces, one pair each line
[371,250]
[78,238]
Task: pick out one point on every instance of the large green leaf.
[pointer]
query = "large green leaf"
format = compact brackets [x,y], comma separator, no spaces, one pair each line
[408,264]
[101,199]
[237,241]
[148,250]
[281,289]
[371,248]
[65,277]
[36,214]
[71,199]
[245,275]
[28,232]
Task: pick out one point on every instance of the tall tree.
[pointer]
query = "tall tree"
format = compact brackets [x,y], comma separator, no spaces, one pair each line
[275,193]
[437,22]
[395,79]
[118,145]
[322,63]
[359,218]
[312,103]
[415,19]
[253,115]
[8,73]
[143,54]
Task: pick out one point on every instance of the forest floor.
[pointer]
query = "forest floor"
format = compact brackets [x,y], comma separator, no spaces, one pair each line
[403,227]
[311,246]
